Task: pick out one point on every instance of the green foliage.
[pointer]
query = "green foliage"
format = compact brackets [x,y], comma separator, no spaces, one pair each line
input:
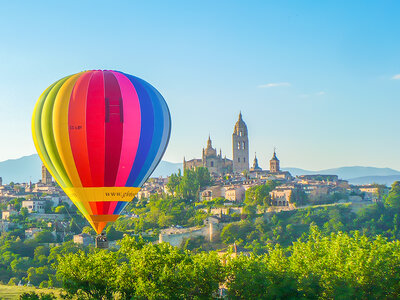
[44,237]
[259,194]
[160,212]
[112,234]
[393,199]
[139,270]
[189,185]
[88,230]
[34,296]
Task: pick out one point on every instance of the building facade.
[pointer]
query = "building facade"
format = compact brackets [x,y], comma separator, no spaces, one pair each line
[240,146]
[215,163]
[219,165]
[34,206]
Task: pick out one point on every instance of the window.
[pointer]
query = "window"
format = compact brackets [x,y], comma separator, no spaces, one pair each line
[238,145]
[244,159]
[212,164]
[244,145]
[238,159]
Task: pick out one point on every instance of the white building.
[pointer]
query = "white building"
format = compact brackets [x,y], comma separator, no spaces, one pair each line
[34,205]
[235,193]
[5,215]
[83,239]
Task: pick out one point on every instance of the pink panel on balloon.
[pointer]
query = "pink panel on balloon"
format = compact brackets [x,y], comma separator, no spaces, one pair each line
[131,130]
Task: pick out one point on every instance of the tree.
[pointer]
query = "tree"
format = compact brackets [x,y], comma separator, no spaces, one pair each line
[259,194]
[203,176]
[140,271]
[113,234]
[88,276]
[24,212]
[44,237]
[393,199]
[173,182]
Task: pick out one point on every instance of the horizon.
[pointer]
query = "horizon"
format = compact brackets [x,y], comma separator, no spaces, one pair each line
[324,92]
[264,168]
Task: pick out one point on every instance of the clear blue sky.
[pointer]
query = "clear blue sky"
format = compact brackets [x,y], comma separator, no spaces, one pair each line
[316,79]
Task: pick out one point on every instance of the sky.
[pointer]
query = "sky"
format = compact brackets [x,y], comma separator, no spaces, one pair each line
[318,80]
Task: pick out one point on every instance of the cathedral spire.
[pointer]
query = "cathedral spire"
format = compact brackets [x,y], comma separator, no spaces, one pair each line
[209,144]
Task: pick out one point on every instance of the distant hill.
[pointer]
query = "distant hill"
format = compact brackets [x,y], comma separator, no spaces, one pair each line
[21,169]
[348,173]
[29,168]
[166,168]
[386,180]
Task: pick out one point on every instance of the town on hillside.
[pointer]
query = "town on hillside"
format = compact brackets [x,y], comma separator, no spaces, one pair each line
[230,181]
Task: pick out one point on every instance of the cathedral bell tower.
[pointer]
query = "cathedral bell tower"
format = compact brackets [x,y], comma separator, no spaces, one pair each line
[240,146]
[274,164]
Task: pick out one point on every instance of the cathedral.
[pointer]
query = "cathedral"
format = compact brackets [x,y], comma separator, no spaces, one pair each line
[217,164]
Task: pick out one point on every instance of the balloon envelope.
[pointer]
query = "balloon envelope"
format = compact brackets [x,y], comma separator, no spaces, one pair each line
[101,134]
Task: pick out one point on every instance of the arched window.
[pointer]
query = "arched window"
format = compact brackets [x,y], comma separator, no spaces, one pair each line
[238,145]
[238,159]
[244,159]
[212,164]
[244,145]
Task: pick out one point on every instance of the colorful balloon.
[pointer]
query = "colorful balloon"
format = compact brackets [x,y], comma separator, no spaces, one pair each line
[101,134]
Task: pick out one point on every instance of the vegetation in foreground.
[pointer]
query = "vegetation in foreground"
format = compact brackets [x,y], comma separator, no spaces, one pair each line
[338,266]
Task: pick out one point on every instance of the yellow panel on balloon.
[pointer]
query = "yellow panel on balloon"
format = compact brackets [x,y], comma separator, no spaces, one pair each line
[81,196]
[96,194]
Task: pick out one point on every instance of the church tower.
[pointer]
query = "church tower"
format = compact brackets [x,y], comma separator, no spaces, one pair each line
[274,164]
[240,146]
[46,177]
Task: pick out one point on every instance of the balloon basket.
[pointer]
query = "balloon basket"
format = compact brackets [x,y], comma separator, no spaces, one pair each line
[101,241]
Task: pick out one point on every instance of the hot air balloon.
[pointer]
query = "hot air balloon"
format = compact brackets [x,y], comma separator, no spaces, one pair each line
[101,134]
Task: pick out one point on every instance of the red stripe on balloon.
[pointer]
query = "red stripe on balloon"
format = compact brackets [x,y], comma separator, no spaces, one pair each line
[102,207]
[131,130]
[95,117]
[77,128]
[93,206]
[114,127]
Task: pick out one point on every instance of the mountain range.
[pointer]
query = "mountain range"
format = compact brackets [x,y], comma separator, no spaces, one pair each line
[28,168]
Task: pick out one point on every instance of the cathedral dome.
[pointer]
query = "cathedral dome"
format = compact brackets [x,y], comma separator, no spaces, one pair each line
[240,126]
[210,151]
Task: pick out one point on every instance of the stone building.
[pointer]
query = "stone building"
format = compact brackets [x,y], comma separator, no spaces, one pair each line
[34,206]
[240,146]
[83,239]
[46,176]
[274,164]
[215,163]
[280,196]
[235,193]
[219,165]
